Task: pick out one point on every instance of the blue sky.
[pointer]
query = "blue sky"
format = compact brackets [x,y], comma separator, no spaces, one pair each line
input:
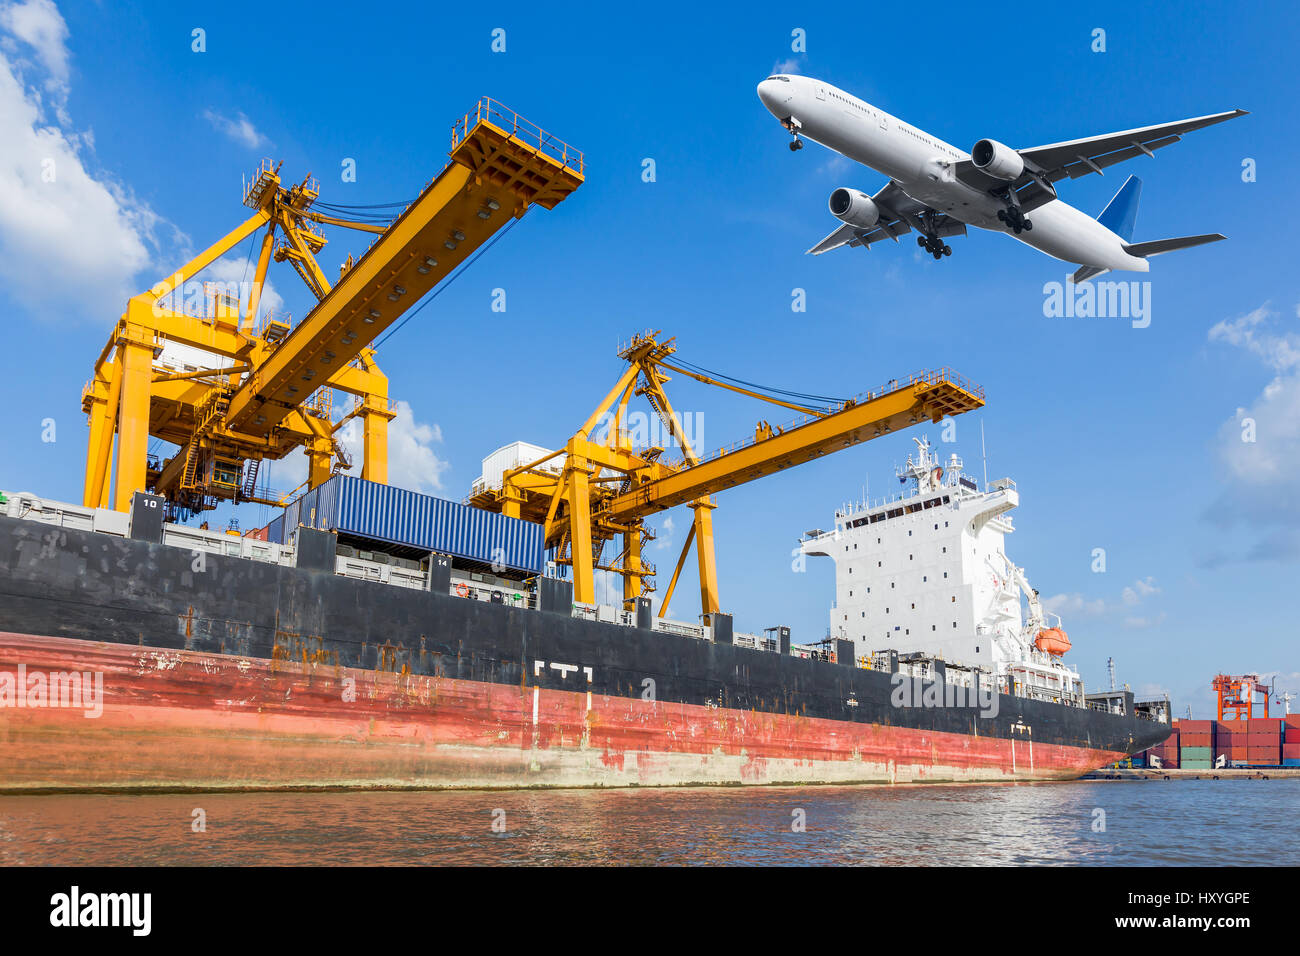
[1119,438]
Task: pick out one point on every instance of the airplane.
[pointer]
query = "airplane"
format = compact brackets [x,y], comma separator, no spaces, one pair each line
[938,190]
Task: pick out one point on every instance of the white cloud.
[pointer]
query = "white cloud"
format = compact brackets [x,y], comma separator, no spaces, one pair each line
[1140,589]
[38,26]
[238,127]
[412,463]
[790,65]
[1074,604]
[1258,447]
[1131,596]
[665,538]
[70,238]
[1251,332]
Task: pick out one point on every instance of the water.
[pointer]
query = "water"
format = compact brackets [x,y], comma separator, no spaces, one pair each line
[1170,823]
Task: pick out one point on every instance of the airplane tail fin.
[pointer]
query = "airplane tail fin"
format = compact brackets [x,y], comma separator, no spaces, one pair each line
[1120,214]
[1120,217]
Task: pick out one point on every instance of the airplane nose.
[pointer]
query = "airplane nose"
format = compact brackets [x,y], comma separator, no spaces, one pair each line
[769,93]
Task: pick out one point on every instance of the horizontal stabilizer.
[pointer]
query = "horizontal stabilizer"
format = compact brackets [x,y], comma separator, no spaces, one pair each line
[1160,246]
[1084,273]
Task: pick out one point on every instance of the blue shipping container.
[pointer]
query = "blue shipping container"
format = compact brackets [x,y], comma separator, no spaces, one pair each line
[275,530]
[367,509]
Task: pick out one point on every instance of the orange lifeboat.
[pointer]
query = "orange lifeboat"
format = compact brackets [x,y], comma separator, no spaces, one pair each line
[1053,641]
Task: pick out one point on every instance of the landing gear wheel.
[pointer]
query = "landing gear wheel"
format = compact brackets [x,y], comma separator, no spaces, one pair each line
[947,250]
[1028,225]
[922,241]
[796,144]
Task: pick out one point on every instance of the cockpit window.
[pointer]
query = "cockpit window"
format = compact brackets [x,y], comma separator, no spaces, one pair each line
[783,79]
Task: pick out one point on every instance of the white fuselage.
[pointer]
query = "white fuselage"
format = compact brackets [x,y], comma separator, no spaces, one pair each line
[922,165]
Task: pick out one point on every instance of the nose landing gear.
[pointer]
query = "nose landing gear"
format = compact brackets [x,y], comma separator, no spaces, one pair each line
[796,144]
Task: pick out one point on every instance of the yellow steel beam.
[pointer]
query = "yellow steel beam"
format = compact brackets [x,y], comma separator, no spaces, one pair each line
[631,564]
[584,584]
[100,450]
[681,562]
[135,350]
[930,396]
[259,278]
[205,258]
[493,174]
[708,565]
[375,417]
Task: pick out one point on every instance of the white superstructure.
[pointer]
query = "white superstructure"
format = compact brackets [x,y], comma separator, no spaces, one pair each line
[927,574]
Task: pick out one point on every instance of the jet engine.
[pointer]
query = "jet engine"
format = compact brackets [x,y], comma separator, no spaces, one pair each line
[854,208]
[994,159]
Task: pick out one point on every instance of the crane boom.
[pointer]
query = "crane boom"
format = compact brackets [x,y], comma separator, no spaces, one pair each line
[492,174]
[929,396]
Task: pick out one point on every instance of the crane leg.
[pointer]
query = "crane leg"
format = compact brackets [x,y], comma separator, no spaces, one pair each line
[704,552]
[320,458]
[631,566]
[99,451]
[584,584]
[136,373]
[374,467]
[681,560]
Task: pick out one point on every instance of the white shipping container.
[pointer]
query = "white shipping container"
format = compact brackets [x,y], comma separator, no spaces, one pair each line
[512,456]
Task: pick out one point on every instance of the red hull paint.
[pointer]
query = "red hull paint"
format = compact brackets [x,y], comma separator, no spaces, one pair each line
[186,720]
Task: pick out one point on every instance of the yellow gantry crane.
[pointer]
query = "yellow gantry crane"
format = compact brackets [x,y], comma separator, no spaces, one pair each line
[599,487]
[263,388]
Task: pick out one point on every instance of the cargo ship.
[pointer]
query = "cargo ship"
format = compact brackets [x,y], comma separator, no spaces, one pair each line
[373,637]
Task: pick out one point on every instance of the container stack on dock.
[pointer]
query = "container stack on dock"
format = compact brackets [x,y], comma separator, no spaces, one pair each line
[1233,742]
[1264,742]
[1257,742]
[1196,744]
[1291,741]
[1167,752]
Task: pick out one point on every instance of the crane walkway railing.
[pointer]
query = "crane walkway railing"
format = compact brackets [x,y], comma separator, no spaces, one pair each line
[504,118]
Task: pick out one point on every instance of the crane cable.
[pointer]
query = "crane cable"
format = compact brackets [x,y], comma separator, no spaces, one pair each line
[766,389]
[450,279]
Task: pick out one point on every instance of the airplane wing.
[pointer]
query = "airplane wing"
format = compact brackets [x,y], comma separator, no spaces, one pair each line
[1079,157]
[898,214]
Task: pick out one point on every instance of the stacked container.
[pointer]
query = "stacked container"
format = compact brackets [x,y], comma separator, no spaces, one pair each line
[1291,740]
[1264,741]
[1167,751]
[1232,739]
[1196,744]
